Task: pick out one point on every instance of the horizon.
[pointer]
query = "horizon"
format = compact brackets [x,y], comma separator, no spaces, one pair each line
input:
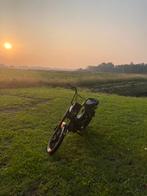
[41,67]
[72,35]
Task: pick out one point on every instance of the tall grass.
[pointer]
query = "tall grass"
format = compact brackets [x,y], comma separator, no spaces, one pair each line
[104,82]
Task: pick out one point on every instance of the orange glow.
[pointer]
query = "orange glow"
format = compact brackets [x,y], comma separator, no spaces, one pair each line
[8,46]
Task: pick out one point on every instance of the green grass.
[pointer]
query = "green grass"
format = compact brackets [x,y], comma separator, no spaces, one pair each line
[122,84]
[108,160]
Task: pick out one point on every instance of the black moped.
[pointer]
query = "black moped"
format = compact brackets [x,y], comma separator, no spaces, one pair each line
[76,119]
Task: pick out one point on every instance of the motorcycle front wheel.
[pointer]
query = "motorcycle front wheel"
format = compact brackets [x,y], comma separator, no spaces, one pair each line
[56,139]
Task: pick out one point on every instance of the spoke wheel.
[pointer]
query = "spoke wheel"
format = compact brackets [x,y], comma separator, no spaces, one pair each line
[56,139]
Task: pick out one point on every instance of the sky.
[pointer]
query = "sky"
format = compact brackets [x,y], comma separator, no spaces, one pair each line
[73,33]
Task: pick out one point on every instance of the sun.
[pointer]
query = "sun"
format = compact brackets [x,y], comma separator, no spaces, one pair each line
[8,46]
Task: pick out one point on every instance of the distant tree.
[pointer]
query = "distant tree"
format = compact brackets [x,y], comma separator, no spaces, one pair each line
[124,68]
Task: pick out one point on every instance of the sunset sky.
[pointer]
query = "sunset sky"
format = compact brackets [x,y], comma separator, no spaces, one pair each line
[73,33]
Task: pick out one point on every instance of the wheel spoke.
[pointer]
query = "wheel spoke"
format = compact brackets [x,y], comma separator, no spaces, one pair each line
[55,138]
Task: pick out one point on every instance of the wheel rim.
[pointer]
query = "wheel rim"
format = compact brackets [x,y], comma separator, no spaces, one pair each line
[55,138]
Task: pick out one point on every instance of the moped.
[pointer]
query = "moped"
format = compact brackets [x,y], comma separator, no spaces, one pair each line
[76,119]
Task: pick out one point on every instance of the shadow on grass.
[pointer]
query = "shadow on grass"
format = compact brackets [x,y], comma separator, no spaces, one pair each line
[96,164]
[92,164]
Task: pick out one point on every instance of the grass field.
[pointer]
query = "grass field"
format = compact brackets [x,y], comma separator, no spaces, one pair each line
[122,84]
[110,159]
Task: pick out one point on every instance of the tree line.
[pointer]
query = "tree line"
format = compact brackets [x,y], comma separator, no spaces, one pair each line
[124,68]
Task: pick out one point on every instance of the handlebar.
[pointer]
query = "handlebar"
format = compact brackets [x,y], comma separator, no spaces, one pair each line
[75,94]
[73,88]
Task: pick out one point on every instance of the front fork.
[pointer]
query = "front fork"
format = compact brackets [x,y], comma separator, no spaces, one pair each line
[64,128]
